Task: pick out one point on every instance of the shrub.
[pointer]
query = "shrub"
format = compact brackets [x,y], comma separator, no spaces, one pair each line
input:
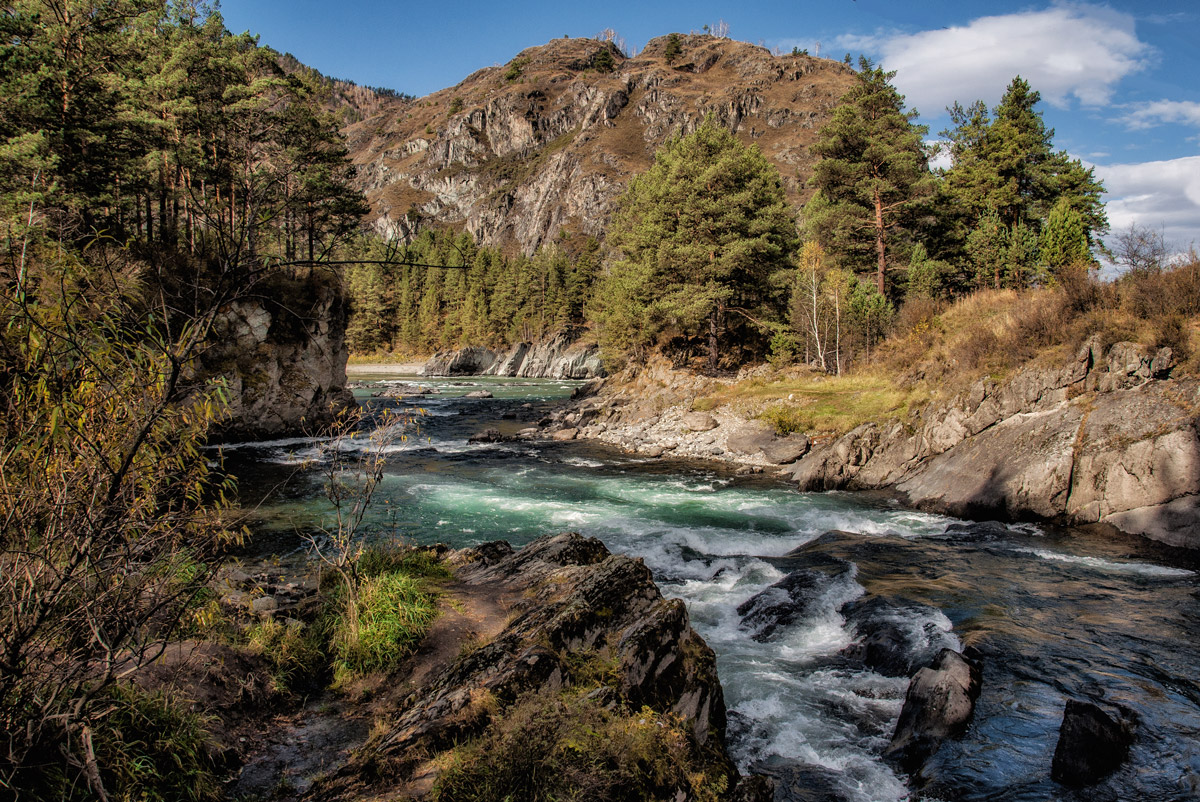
[147,748]
[572,747]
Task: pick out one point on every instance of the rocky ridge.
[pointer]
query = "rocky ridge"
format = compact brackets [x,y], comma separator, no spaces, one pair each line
[568,606]
[1109,438]
[518,154]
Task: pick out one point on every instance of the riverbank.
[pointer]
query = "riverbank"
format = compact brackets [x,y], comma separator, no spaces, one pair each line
[1106,437]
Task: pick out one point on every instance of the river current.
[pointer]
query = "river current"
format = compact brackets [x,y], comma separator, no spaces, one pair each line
[1053,614]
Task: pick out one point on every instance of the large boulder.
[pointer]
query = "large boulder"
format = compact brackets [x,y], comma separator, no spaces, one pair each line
[1092,743]
[939,705]
[699,422]
[786,450]
[750,438]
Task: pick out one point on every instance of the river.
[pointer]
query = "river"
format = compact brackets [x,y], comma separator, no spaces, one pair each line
[1053,614]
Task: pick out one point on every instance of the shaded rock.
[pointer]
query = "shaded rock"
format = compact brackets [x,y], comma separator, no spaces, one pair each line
[470,361]
[487,436]
[802,595]
[699,421]
[793,781]
[264,605]
[1091,743]
[565,434]
[939,705]
[786,450]
[751,437]
[895,637]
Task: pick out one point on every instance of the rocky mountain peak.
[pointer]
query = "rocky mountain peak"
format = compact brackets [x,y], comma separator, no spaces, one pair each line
[523,153]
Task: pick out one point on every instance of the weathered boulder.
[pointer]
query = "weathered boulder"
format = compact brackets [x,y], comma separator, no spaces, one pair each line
[786,450]
[1021,465]
[1091,743]
[478,394]
[939,705]
[487,436]
[750,437]
[565,434]
[699,422]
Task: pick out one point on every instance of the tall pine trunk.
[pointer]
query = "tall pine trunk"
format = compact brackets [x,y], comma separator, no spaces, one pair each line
[881,265]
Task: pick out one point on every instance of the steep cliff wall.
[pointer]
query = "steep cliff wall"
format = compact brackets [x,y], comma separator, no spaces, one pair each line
[281,351]
[519,153]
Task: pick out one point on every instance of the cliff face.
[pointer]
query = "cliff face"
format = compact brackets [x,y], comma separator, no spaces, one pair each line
[519,153]
[282,354]
[560,357]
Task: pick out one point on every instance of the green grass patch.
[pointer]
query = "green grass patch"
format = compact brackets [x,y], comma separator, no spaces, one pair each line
[835,404]
[391,614]
[148,749]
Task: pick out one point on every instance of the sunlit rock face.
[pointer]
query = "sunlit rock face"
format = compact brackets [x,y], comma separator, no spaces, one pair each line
[538,149]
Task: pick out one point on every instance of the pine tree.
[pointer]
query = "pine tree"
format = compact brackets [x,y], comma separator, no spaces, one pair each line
[872,176]
[1064,239]
[1006,163]
[707,224]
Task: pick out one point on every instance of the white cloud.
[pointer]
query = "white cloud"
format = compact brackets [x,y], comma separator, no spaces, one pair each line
[1162,195]
[1065,51]
[1148,115]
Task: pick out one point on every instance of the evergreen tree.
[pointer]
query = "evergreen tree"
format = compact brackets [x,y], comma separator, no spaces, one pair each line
[987,249]
[1064,239]
[706,225]
[872,176]
[1006,163]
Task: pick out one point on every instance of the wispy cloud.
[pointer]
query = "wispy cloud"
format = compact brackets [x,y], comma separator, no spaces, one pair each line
[1067,51]
[1160,194]
[1148,115]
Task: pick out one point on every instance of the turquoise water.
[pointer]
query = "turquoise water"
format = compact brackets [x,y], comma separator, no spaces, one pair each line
[1053,613]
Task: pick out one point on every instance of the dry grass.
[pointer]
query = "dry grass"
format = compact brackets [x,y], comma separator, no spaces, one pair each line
[939,351]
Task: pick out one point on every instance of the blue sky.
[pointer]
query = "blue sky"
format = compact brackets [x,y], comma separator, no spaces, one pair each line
[1120,81]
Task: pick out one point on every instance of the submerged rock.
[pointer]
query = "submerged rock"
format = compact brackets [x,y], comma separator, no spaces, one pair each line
[1092,744]
[939,705]
[895,637]
[802,595]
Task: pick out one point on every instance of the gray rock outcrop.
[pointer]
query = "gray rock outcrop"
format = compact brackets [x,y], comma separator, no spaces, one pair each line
[282,358]
[560,357]
[1106,439]
[575,602]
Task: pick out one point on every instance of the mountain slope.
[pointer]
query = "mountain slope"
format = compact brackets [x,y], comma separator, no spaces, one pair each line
[519,154]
